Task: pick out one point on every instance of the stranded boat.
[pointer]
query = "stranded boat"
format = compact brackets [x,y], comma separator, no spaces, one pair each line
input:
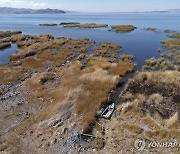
[108,111]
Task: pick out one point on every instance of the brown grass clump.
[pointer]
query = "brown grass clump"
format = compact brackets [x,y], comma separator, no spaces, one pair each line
[43,49]
[123,28]
[167,61]
[93,25]
[10,74]
[4,34]
[171,44]
[31,62]
[107,49]
[97,86]
[4,45]
[126,58]
[121,68]
[87,25]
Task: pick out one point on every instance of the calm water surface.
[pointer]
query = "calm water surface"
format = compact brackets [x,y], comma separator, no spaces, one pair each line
[142,44]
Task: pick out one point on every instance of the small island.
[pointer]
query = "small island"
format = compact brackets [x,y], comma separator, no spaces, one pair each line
[52,24]
[123,28]
[86,25]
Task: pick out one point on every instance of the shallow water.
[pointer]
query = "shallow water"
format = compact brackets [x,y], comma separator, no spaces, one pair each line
[4,53]
[142,44]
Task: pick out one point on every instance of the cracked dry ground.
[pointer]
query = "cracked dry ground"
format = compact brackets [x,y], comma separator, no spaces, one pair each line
[51,90]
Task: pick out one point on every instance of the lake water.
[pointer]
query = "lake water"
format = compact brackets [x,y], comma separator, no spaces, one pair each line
[142,44]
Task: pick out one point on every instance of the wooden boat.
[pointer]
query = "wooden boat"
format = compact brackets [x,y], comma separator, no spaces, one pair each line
[108,111]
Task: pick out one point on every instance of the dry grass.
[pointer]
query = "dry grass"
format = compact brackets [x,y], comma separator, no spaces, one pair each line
[92,86]
[4,45]
[123,28]
[148,111]
[31,63]
[133,123]
[68,94]
[10,74]
[171,44]
[173,120]
[121,68]
[86,25]
[127,58]
[167,61]
[107,49]
[44,48]
[96,86]
[4,34]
